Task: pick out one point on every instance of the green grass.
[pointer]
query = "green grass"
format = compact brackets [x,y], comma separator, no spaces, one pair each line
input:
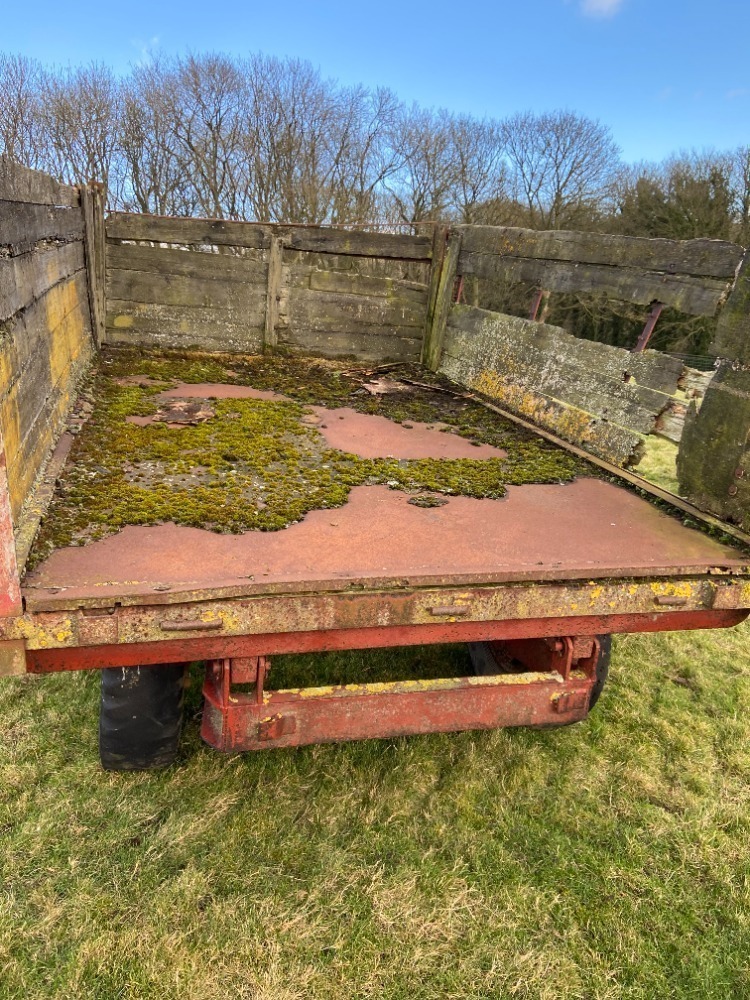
[659,464]
[608,859]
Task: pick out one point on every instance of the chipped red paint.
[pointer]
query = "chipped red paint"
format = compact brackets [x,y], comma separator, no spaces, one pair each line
[556,692]
[217,647]
[587,529]
[369,435]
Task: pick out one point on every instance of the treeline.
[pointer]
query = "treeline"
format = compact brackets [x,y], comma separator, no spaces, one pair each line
[273,140]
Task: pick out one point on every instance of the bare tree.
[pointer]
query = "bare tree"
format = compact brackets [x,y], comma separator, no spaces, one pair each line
[480,173]
[560,165]
[79,113]
[19,109]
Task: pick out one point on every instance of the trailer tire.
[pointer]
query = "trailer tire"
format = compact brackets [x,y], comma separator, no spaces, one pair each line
[602,668]
[140,718]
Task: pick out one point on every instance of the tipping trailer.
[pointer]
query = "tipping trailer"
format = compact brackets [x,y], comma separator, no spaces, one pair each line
[189,471]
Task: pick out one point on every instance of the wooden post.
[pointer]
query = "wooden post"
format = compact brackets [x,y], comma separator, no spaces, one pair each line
[273,294]
[438,309]
[92,203]
[732,339]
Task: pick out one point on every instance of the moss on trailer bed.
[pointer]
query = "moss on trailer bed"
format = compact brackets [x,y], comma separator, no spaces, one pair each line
[143,457]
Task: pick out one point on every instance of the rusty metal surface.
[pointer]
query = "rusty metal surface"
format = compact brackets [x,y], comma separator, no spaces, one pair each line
[361,608]
[587,529]
[371,436]
[237,721]
[70,656]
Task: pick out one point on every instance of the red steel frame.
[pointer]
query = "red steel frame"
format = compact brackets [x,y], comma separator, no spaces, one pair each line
[554,689]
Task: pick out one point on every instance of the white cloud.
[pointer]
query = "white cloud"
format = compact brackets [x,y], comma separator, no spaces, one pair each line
[601,8]
[146,49]
[733,95]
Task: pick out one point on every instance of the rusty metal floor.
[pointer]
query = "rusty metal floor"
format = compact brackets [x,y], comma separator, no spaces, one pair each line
[586,529]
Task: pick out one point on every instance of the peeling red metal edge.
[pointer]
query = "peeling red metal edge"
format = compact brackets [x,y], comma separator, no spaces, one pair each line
[215,647]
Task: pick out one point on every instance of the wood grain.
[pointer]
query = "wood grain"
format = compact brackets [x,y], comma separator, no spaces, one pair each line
[19,184]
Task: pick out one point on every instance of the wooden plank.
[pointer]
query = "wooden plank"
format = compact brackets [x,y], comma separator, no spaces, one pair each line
[39,444]
[732,338]
[212,328]
[671,422]
[164,289]
[349,242]
[23,225]
[699,258]
[18,183]
[190,263]
[25,278]
[40,397]
[92,204]
[29,332]
[273,293]
[367,346]
[45,340]
[649,368]
[351,283]
[562,378]
[694,295]
[574,388]
[432,347]
[187,232]
[439,246]
[338,313]
[221,232]
[713,462]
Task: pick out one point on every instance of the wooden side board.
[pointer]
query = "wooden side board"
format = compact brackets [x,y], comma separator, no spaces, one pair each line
[694,276]
[223,232]
[243,302]
[32,187]
[598,397]
[713,462]
[45,320]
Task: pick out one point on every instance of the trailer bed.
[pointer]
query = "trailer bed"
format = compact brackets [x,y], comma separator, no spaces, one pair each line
[384,533]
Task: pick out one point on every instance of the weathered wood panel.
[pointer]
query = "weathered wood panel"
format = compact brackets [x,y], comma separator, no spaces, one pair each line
[20,184]
[24,278]
[713,462]
[312,239]
[93,197]
[693,295]
[190,263]
[274,293]
[598,397]
[732,338]
[363,345]
[46,346]
[23,225]
[700,258]
[178,327]
[439,307]
[150,287]
[335,312]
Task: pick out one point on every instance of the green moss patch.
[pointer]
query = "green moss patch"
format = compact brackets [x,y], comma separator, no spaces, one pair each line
[254,464]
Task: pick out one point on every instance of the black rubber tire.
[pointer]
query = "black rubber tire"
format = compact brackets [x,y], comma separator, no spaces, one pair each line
[140,717]
[483,662]
[602,668]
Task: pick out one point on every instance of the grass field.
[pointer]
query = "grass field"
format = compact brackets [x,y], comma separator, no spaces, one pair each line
[608,859]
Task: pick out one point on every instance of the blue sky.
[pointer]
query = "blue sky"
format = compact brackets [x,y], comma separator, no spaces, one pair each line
[663,74]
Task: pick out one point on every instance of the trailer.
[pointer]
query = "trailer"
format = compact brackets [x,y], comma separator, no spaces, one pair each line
[223,441]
